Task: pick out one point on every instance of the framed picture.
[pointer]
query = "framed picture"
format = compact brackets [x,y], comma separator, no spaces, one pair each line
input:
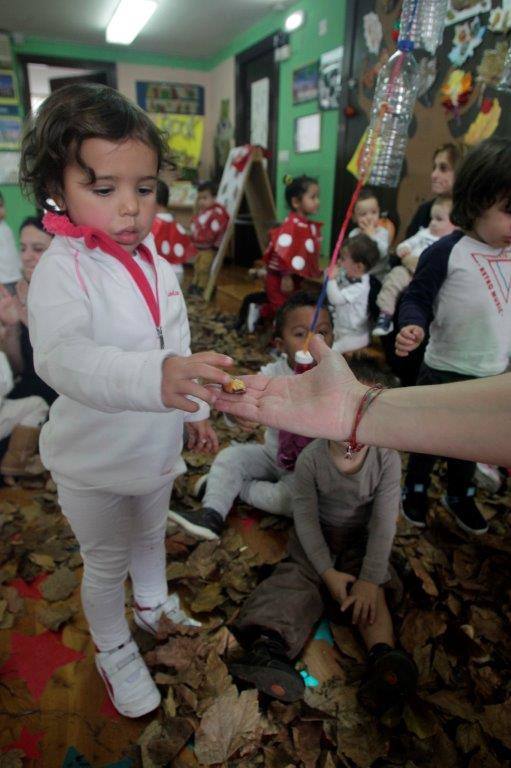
[9,166]
[10,132]
[308,133]
[305,83]
[330,78]
[170,98]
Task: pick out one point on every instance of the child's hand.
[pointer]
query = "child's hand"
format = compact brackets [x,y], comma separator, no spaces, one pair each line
[245,425]
[363,597]
[367,228]
[201,437]
[287,284]
[180,374]
[403,251]
[338,583]
[408,339]
[9,307]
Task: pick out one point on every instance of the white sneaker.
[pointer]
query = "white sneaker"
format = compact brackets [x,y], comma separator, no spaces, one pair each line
[199,488]
[254,311]
[148,618]
[488,478]
[128,681]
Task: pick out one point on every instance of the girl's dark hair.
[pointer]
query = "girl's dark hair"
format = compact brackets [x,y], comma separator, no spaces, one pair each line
[454,153]
[162,193]
[208,186]
[362,250]
[55,133]
[369,370]
[298,299]
[296,187]
[366,193]
[483,179]
[34,221]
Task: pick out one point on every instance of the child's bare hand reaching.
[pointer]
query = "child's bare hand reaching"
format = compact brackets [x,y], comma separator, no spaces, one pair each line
[363,597]
[409,338]
[201,437]
[338,584]
[180,374]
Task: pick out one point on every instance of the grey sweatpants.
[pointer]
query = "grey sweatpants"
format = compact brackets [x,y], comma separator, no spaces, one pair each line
[393,286]
[250,471]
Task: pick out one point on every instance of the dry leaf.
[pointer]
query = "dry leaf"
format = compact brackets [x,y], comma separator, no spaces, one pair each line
[178,653]
[45,562]
[208,598]
[307,741]
[12,759]
[227,726]
[420,626]
[176,733]
[496,722]
[153,731]
[347,643]
[454,704]
[59,585]
[420,571]
[53,616]
[420,720]
[358,736]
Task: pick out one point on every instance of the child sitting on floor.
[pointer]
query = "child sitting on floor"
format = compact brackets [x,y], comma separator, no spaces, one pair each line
[294,248]
[170,238]
[409,251]
[207,229]
[244,470]
[345,512]
[349,292]
[366,217]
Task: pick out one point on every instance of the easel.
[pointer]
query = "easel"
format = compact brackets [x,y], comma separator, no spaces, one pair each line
[253,182]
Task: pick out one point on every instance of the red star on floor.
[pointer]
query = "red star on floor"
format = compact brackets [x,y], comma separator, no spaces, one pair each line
[29,589]
[28,743]
[34,659]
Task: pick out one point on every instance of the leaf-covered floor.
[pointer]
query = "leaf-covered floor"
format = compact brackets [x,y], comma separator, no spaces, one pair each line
[454,619]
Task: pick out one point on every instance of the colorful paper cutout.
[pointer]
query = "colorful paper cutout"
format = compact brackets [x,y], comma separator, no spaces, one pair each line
[485,123]
[456,90]
[467,37]
[373,32]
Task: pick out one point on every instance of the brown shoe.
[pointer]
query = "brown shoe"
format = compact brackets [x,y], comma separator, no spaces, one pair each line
[21,458]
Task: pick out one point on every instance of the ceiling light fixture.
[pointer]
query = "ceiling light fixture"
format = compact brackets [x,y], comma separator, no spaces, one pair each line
[129,18]
[294,21]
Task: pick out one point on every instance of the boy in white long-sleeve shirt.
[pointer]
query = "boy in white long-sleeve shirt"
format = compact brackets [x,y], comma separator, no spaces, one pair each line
[258,472]
[348,293]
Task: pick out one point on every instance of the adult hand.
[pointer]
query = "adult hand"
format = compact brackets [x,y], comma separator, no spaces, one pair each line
[338,584]
[409,338]
[180,374]
[9,307]
[245,425]
[322,401]
[363,597]
[201,437]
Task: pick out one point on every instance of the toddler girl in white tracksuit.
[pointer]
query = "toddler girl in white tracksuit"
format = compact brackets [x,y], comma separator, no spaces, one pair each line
[110,334]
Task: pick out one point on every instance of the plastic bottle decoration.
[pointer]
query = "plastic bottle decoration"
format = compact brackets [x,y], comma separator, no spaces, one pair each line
[505,80]
[393,103]
[423,22]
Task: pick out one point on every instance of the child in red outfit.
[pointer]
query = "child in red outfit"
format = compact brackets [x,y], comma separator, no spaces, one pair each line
[294,247]
[171,239]
[207,230]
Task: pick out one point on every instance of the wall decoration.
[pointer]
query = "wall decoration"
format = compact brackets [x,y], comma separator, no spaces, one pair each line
[428,73]
[456,90]
[5,51]
[330,78]
[373,32]
[308,133]
[485,123]
[7,87]
[491,67]
[460,10]
[260,111]
[10,132]
[500,19]
[305,83]
[9,166]
[185,134]
[170,98]
[467,37]
[224,137]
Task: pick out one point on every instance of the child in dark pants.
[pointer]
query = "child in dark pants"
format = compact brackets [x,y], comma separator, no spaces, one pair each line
[460,292]
[345,512]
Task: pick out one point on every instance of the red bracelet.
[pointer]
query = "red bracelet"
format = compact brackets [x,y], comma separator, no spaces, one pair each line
[369,397]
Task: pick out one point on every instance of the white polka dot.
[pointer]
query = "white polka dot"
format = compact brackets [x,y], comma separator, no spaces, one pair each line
[298,263]
[284,240]
[203,218]
[215,225]
[309,245]
[181,229]
[165,247]
[178,250]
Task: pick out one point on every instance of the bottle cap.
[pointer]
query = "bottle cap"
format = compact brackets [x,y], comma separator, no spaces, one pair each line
[406,45]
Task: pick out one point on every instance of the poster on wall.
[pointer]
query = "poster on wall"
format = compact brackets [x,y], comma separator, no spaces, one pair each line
[260,111]
[185,134]
[10,131]
[460,10]
[170,98]
[330,78]
[305,83]
[9,167]
[308,133]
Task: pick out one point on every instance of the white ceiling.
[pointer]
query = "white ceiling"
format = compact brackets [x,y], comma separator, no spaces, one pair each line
[192,28]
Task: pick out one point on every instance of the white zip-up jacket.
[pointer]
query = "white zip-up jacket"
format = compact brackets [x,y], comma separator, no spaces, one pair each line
[95,343]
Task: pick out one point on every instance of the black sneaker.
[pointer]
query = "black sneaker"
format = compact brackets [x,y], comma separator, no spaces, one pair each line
[466,513]
[415,505]
[391,680]
[267,667]
[384,325]
[206,523]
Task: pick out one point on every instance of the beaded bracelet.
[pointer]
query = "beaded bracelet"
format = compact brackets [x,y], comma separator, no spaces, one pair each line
[368,398]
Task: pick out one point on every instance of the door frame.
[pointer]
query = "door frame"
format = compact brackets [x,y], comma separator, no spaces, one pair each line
[262,47]
[24,59]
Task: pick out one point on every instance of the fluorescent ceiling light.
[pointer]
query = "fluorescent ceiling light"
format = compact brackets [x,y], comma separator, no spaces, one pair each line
[129,18]
[294,21]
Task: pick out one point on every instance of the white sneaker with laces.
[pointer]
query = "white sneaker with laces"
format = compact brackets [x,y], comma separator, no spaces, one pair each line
[129,684]
[148,618]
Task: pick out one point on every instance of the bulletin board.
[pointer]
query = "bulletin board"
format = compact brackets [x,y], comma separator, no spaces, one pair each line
[483,110]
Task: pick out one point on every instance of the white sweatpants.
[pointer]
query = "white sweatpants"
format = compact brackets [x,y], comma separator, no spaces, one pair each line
[25,412]
[118,535]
